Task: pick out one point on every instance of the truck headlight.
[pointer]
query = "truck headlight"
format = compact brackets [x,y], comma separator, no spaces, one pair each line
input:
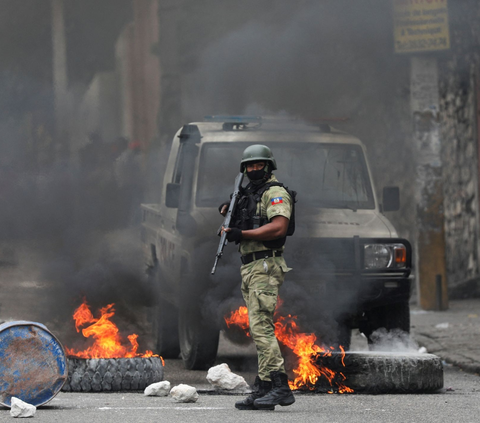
[382,256]
[377,256]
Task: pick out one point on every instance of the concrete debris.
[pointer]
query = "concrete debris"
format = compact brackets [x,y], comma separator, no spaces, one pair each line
[20,408]
[159,389]
[184,393]
[221,377]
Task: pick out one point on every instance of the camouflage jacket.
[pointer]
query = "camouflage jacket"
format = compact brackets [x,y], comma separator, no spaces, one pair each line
[276,201]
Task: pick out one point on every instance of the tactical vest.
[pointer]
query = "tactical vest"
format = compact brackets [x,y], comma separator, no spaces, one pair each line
[246,216]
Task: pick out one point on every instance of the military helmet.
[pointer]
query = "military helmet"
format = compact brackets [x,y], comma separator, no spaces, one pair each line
[257,153]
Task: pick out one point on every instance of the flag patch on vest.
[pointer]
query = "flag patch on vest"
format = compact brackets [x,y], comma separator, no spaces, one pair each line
[277,200]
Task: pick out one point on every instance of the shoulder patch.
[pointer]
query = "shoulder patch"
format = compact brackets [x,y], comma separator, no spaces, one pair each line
[277,200]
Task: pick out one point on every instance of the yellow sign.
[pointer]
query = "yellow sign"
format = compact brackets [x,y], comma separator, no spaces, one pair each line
[420,25]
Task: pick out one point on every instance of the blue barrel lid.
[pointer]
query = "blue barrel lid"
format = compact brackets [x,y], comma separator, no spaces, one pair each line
[33,366]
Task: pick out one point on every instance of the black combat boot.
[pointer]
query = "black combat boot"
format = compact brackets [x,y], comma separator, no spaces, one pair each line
[259,389]
[280,393]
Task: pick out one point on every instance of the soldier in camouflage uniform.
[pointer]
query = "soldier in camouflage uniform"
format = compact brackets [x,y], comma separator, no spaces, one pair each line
[263,272]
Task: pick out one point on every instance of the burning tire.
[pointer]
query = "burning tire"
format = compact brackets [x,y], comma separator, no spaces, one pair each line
[384,373]
[112,374]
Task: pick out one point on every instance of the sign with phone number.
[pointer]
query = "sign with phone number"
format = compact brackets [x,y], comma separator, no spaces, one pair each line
[420,25]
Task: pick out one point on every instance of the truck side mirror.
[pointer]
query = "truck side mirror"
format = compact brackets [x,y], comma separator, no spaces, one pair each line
[391,199]
[172,195]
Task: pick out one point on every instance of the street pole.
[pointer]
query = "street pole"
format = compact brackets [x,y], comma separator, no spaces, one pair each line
[60,82]
[430,258]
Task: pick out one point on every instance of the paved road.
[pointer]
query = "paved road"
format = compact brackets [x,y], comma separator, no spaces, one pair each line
[23,298]
[457,404]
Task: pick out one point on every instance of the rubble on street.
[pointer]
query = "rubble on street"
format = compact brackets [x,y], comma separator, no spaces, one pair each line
[184,393]
[159,389]
[21,408]
[221,377]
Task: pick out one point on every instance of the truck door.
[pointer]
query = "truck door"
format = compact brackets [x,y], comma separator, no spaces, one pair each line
[179,225]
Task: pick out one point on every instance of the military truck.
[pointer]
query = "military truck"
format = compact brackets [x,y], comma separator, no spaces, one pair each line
[345,254]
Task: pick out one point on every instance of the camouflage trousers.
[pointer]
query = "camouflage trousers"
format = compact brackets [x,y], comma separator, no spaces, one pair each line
[261,280]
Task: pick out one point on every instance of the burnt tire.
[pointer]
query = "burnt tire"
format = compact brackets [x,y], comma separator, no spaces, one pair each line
[165,328]
[198,339]
[385,373]
[112,374]
[394,317]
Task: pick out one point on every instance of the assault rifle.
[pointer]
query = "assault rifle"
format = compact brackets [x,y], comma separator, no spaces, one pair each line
[228,219]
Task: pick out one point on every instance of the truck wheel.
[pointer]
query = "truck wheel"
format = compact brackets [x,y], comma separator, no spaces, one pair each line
[165,327]
[391,317]
[164,318]
[198,340]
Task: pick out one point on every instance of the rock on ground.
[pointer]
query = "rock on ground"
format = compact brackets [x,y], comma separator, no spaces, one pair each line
[184,393]
[159,389]
[221,377]
[20,408]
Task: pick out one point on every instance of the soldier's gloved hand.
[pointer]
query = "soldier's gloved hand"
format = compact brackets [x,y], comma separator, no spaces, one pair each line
[223,208]
[234,235]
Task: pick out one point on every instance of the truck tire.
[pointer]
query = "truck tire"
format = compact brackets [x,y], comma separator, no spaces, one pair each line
[165,327]
[384,373]
[198,339]
[112,374]
[164,317]
[391,317]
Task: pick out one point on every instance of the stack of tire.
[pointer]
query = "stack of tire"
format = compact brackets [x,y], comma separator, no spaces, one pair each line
[112,374]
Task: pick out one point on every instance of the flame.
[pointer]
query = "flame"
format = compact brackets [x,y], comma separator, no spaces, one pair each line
[239,318]
[107,341]
[304,346]
[82,316]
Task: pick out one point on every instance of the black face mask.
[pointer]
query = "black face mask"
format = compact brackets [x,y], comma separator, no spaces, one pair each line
[256,176]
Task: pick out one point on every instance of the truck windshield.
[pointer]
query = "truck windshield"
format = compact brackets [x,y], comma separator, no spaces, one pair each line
[324,175]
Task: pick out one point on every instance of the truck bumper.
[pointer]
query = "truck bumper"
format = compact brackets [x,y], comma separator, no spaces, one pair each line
[348,295]
[371,293]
